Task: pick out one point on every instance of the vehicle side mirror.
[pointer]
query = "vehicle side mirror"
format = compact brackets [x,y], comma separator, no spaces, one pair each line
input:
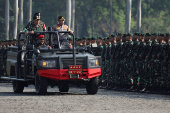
[29,47]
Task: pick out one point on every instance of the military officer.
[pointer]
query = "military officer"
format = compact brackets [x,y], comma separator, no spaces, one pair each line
[41,42]
[61,27]
[34,25]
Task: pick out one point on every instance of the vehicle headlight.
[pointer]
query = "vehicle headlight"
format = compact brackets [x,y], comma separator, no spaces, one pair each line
[93,62]
[49,64]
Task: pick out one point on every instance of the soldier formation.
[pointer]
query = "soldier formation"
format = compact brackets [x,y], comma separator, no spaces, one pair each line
[129,61]
[132,61]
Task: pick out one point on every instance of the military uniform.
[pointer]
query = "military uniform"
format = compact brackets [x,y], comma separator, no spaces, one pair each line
[32,27]
[127,80]
[103,56]
[99,50]
[93,45]
[57,27]
[134,60]
[165,62]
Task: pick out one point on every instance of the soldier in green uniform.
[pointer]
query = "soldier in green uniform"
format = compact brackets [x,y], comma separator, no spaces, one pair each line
[165,62]
[140,61]
[118,58]
[152,57]
[110,41]
[103,56]
[80,42]
[111,54]
[127,77]
[98,52]
[158,61]
[88,41]
[134,57]
[124,38]
[84,41]
[77,42]
[14,42]
[99,48]
[93,44]
[34,25]
[145,71]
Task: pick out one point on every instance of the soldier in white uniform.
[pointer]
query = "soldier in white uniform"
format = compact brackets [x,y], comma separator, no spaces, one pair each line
[60,27]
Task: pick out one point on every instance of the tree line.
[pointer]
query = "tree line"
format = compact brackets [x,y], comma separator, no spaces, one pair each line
[92,17]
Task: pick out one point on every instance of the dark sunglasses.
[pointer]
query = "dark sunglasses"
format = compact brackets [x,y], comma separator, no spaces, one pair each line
[41,39]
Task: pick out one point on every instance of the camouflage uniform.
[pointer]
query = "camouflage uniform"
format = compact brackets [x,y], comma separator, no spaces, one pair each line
[118,59]
[103,56]
[31,27]
[164,57]
[134,62]
[152,62]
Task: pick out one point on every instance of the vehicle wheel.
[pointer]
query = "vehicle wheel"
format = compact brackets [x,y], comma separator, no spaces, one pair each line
[92,86]
[18,86]
[64,87]
[41,85]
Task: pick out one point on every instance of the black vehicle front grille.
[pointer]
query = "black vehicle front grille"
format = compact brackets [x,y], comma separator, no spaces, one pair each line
[79,61]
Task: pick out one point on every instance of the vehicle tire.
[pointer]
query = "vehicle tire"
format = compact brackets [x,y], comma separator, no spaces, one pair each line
[92,86]
[18,86]
[64,87]
[41,85]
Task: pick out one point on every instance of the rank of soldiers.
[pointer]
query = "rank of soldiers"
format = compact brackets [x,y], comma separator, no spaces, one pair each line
[131,61]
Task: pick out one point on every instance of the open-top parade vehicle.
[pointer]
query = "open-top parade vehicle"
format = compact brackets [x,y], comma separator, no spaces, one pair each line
[45,67]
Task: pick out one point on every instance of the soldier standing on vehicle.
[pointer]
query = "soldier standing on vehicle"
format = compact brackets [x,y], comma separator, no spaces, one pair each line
[34,25]
[60,27]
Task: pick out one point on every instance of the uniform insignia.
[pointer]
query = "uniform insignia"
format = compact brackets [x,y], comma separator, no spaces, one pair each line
[57,27]
[38,17]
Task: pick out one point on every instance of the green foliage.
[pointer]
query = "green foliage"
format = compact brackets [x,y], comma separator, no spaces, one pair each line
[94,15]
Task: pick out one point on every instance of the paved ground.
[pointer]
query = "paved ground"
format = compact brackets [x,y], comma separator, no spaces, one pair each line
[77,101]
